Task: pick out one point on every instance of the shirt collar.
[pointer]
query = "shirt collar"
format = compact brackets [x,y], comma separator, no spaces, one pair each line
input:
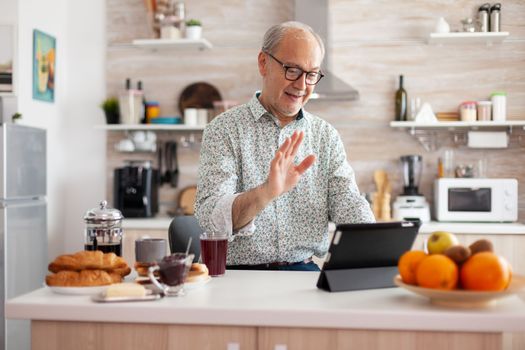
[258,110]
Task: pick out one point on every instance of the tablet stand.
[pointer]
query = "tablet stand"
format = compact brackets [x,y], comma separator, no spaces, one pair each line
[357,278]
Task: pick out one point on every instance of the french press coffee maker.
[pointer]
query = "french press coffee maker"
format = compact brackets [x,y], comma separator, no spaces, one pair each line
[103,229]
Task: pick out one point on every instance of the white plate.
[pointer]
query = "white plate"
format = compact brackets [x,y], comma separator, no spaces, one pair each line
[78,290]
[198,284]
[150,296]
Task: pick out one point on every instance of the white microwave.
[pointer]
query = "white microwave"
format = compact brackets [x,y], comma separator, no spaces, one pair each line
[476,199]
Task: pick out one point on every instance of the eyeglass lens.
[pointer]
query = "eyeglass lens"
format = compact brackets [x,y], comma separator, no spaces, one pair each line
[293,73]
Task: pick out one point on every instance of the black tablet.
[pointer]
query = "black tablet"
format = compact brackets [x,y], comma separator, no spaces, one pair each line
[365,256]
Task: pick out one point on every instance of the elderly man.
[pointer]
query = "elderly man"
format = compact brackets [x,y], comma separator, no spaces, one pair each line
[272,175]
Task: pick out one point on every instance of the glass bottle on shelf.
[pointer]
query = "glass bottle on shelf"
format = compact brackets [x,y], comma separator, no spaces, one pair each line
[401,101]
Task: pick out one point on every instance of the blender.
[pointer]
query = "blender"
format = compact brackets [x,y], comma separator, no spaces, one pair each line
[411,205]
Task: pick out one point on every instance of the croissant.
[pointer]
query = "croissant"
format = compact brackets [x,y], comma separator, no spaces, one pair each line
[96,260]
[84,278]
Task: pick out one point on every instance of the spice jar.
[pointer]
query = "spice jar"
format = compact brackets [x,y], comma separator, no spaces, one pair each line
[484,110]
[499,106]
[103,229]
[152,110]
[467,111]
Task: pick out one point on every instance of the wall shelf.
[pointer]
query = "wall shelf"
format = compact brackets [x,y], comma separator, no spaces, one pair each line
[462,38]
[151,127]
[430,135]
[459,124]
[163,44]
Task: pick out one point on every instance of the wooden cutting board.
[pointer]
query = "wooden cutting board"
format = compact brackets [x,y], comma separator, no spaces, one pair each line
[187,200]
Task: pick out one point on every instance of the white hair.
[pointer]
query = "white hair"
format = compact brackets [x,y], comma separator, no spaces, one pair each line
[273,36]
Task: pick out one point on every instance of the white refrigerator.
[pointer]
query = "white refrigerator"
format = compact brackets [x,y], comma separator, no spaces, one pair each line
[23,223]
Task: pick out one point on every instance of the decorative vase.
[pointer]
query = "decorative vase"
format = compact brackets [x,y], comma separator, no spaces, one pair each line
[442,26]
[193,32]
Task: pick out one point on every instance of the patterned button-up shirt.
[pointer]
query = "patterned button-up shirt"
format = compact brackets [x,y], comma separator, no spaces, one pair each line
[236,152]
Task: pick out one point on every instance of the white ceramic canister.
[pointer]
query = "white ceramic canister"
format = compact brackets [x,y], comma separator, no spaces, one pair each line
[499,106]
[190,116]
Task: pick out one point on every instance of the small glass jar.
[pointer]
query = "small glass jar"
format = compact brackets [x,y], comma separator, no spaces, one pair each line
[103,229]
[468,25]
[467,111]
[152,110]
[484,110]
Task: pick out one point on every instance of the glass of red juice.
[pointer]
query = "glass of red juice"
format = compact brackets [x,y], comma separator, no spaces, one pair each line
[214,249]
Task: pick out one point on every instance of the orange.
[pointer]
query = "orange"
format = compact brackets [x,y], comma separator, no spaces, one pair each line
[408,263]
[437,271]
[485,271]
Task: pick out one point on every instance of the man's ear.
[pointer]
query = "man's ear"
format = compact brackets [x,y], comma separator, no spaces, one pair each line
[262,62]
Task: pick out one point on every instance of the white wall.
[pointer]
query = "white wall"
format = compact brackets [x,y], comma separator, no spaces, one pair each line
[86,88]
[75,151]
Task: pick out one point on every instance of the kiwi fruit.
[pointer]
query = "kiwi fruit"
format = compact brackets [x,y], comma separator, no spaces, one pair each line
[458,253]
[481,245]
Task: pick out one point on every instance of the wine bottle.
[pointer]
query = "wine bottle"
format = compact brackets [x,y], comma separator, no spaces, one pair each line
[143,119]
[401,102]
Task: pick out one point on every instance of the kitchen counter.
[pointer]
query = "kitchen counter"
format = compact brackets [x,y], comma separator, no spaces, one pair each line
[515,228]
[276,298]
[273,298]
[156,223]
[163,223]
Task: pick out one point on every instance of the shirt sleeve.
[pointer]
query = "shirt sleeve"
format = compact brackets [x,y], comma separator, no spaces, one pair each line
[346,204]
[217,184]
[221,218]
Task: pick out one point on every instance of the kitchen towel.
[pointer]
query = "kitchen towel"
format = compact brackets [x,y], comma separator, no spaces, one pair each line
[488,139]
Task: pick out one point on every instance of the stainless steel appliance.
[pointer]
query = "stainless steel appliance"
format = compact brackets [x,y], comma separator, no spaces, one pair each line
[476,200]
[23,222]
[411,204]
[136,189]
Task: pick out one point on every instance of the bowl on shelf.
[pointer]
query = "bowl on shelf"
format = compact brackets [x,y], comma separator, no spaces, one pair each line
[165,120]
[466,298]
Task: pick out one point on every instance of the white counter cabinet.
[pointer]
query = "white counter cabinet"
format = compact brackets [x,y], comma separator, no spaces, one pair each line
[268,310]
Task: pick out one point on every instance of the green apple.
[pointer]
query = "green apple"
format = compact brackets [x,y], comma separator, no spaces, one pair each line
[439,241]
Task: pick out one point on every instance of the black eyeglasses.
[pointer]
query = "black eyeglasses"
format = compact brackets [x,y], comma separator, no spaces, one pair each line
[294,73]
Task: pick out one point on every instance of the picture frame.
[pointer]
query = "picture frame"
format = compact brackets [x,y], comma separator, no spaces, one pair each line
[44,66]
[7,59]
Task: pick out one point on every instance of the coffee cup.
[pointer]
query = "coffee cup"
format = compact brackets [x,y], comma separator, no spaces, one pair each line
[150,250]
[214,249]
[172,271]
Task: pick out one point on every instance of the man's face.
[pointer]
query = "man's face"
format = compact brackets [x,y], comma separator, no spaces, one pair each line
[284,98]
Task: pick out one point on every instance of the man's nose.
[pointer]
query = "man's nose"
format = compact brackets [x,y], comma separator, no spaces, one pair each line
[300,83]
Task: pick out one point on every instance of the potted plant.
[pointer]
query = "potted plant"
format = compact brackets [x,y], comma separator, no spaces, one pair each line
[111,110]
[16,117]
[193,29]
